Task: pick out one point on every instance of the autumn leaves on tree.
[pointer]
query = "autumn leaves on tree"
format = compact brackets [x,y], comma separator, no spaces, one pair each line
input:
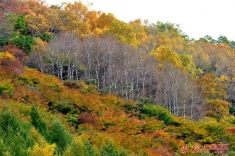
[119,88]
[131,60]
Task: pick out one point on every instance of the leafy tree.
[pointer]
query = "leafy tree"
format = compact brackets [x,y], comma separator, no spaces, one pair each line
[144,100]
[38,54]
[232,45]
[77,8]
[2,147]
[105,21]
[211,87]
[167,27]
[20,24]
[139,30]
[60,136]
[123,32]
[6,31]
[88,149]
[37,122]
[6,88]
[80,147]
[43,148]
[157,111]
[13,66]
[24,42]
[18,53]
[166,55]
[8,7]
[109,150]
[15,134]
[217,108]
[222,39]
[188,65]
[37,23]
[45,37]
[209,39]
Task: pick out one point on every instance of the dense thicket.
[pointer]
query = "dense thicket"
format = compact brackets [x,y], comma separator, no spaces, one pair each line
[96,53]
[131,60]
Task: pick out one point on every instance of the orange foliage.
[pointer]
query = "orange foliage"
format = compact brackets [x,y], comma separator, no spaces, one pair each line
[30,96]
[211,87]
[159,152]
[13,67]
[15,51]
[87,118]
[231,130]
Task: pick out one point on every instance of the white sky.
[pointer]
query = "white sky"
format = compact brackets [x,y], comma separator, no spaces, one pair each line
[197,18]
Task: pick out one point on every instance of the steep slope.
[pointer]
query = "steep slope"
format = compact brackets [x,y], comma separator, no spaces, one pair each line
[41,114]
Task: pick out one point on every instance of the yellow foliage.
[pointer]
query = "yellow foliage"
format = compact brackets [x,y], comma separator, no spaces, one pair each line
[166,55]
[7,54]
[35,134]
[189,66]
[37,23]
[39,45]
[105,20]
[217,108]
[211,87]
[139,30]
[43,148]
[224,78]
[97,31]
[123,32]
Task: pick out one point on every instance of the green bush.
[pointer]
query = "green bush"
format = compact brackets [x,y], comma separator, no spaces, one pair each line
[88,149]
[20,24]
[80,147]
[15,135]
[110,150]
[144,100]
[45,37]
[23,42]
[60,136]
[6,88]
[232,110]
[38,123]
[157,111]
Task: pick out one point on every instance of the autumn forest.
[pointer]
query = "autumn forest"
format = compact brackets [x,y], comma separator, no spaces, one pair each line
[80,82]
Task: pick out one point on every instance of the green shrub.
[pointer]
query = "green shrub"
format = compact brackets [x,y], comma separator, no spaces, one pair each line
[144,100]
[80,147]
[6,88]
[157,111]
[45,37]
[23,42]
[60,136]
[38,123]
[110,150]
[15,135]
[88,149]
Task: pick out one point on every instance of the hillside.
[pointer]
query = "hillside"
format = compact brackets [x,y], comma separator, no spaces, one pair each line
[75,81]
[41,114]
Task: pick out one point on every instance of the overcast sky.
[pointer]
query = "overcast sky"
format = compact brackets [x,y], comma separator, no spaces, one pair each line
[197,18]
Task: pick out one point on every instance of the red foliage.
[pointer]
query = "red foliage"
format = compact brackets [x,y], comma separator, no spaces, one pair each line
[14,67]
[184,149]
[196,148]
[231,130]
[159,152]
[9,6]
[87,118]
[26,95]
[18,53]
